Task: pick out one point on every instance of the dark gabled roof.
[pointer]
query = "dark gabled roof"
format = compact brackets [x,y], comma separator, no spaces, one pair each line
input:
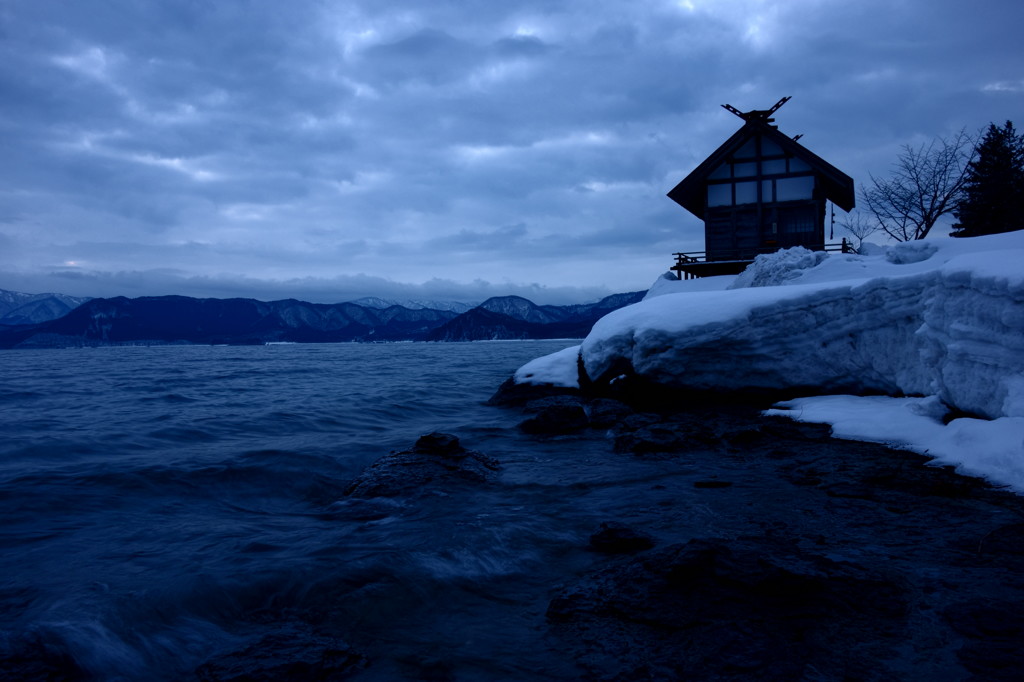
[691,193]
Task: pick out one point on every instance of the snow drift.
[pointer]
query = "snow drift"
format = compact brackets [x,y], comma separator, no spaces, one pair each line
[941,318]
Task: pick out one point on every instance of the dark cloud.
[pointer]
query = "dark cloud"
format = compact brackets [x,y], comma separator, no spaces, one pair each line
[235,146]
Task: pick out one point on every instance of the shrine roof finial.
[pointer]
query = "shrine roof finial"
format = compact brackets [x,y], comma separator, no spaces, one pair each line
[763,115]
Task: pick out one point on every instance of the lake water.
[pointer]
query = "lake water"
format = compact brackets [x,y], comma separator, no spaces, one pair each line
[165,505]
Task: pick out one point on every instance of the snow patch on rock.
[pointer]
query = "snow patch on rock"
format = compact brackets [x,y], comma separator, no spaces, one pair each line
[556,369]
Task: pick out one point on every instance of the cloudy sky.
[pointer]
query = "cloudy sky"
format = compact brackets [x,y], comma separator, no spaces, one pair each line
[446,149]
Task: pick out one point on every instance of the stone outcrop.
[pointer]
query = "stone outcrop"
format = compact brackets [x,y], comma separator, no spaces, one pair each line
[754,608]
[437,460]
[292,654]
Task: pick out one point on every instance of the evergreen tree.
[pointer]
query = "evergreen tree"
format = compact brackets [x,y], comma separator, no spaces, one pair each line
[993,198]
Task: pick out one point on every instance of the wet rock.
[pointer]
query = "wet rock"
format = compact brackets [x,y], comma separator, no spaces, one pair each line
[851,491]
[556,419]
[511,394]
[428,669]
[754,608]
[646,433]
[848,558]
[541,404]
[437,460]
[292,655]
[941,481]
[441,444]
[712,483]
[747,437]
[987,619]
[655,438]
[1008,539]
[638,420]
[30,656]
[994,633]
[993,660]
[605,412]
[782,428]
[617,539]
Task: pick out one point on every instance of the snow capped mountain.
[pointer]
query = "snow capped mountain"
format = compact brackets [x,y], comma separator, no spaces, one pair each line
[514,317]
[181,319]
[418,304]
[523,309]
[519,308]
[18,308]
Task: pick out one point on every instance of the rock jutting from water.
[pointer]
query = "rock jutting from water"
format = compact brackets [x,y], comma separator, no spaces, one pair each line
[615,538]
[437,459]
[293,654]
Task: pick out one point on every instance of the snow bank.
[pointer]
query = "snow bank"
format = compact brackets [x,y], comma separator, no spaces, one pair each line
[990,449]
[670,284]
[778,268]
[556,369]
[941,318]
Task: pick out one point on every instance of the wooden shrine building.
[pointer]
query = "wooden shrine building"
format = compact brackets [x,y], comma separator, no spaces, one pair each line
[759,192]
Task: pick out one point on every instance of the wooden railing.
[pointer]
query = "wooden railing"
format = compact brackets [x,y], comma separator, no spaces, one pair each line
[689,257]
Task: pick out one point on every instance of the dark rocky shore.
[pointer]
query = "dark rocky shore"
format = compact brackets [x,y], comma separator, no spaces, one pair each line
[707,542]
[772,552]
[831,560]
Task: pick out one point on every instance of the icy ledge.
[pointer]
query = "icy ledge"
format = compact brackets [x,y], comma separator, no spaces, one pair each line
[942,318]
[953,326]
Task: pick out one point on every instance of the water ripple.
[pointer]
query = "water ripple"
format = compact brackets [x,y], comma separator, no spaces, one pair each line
[164,504]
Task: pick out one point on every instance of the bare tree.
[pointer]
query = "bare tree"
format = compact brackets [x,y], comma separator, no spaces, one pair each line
[861,227]
[925,185]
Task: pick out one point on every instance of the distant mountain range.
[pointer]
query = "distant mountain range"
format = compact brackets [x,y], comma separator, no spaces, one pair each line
[452,306]
[514,317]
[18,308]
[180,319]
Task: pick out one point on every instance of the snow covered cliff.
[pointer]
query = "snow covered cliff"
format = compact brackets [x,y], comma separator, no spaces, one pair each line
[942,318]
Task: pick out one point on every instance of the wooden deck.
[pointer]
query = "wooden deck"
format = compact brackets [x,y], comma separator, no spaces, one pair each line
[693,264]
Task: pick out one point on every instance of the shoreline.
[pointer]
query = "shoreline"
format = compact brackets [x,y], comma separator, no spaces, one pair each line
[582,538]
[823,559]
